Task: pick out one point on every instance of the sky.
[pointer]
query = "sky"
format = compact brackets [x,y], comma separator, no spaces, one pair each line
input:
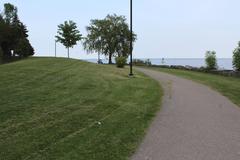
[165,28]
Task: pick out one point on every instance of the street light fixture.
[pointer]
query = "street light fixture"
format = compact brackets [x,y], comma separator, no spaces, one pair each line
[131,40]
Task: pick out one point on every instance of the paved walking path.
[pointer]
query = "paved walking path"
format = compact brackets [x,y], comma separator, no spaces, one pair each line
[195,123]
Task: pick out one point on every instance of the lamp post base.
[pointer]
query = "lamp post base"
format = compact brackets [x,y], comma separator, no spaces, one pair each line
[131,75]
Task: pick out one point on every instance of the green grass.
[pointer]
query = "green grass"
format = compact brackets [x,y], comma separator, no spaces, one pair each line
[50,109]
[227,86]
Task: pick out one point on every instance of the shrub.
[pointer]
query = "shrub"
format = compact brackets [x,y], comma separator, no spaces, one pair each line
[139,62]
[121,61]
[236,58]
[211,60]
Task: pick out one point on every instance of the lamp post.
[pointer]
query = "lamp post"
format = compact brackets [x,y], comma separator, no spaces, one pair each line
[131,40]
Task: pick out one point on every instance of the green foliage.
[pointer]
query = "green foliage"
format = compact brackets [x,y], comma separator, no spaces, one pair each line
[1,55]
[211,60]
[109,36]
[58,109]
[10,13]
[236,58]
[148,62]
[139,62]
[13,33]
[121,61]
[23,46]
[68,34]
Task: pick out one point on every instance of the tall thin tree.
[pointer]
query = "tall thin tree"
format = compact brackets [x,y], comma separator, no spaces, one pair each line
[68,34]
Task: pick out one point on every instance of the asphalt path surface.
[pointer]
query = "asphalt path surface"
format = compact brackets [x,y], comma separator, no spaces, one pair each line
[195,123]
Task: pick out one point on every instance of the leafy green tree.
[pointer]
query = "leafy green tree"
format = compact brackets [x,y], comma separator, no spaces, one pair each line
[122,35]
[211,60]
[68,34]
[109,36]
[99,38]
[1,55]
[1,37]
[93,42]
[1,29]
[10,13]
[236,58]
[12,33]
[23,47]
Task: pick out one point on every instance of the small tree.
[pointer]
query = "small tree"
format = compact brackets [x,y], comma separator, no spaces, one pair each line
[236,58]
[68,34]
[211,60]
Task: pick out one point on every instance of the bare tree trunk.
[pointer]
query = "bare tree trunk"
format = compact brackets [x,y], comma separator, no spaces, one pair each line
[110,59]
[68,52]
[98,58]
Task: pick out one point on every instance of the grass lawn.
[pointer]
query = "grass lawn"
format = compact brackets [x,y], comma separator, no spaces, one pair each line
[227,86]
[67,109]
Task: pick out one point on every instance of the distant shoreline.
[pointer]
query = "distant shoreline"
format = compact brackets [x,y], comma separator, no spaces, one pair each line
[223,63]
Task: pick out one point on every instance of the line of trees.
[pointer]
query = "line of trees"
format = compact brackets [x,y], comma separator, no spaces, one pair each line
[236,58]
[109,36]
[211,59]
[14,41]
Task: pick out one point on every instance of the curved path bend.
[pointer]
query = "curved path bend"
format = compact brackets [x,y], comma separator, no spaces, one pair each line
[195,123]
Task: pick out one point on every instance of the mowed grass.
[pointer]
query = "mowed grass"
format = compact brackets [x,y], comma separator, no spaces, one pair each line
[227,86]
[67,109]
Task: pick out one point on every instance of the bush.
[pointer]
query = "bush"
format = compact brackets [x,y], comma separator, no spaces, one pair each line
[121,61]
[236,58]
[211,60]
[139,62]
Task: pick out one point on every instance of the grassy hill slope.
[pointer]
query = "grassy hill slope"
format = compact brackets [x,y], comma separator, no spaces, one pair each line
[68,109]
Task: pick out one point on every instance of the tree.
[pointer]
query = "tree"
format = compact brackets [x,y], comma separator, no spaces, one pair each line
[1,28]
[236,58]
[211,60]
[1,55]
[13,33]
[23,48]
[109,36]
[93,42]
[68,34]
[10,13]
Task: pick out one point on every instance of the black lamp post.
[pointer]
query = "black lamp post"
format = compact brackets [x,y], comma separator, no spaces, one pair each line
[131,41]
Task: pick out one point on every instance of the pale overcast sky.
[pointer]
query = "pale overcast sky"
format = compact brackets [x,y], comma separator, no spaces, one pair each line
[165,28]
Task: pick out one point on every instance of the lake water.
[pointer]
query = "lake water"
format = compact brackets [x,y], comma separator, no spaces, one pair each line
[223,63]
